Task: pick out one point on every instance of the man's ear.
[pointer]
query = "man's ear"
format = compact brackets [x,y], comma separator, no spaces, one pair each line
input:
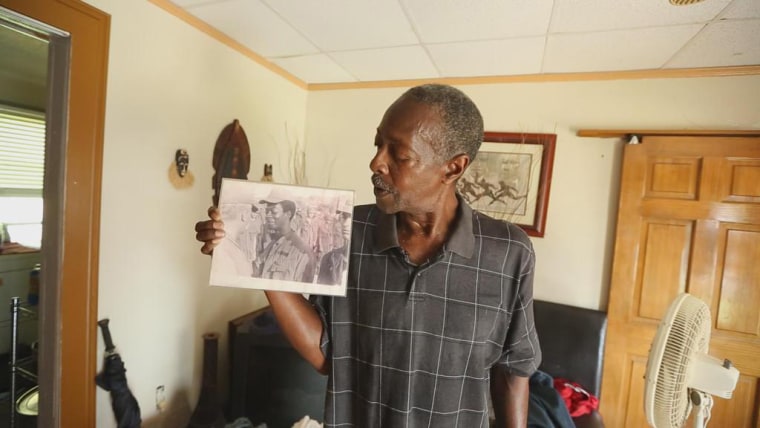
[455,167]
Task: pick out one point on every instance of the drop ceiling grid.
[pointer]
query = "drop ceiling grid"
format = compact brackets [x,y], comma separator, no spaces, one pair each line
[333,41]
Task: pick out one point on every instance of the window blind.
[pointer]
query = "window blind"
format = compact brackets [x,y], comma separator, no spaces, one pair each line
[22,152]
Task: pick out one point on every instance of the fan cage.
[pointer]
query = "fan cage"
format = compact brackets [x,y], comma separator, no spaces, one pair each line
[689,334]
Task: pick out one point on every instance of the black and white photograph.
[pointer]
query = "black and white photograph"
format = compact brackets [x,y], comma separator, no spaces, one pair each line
[283,237]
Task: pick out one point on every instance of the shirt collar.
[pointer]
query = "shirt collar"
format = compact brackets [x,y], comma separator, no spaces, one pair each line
[461,241]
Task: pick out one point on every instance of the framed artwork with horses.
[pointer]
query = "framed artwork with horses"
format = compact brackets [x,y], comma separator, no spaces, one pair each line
[510,178]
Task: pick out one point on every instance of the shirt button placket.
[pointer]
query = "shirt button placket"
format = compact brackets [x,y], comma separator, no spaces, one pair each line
[417,284]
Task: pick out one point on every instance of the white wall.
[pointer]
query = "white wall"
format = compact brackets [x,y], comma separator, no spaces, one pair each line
[575,255]
[171,86]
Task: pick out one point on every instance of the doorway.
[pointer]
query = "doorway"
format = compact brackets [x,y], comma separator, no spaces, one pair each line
[74,120]
[33,74]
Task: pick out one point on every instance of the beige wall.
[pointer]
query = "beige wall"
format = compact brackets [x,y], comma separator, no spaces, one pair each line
[171,86]
[574,256]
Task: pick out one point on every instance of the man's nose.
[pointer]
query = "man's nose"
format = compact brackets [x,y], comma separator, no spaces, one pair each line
[379,164]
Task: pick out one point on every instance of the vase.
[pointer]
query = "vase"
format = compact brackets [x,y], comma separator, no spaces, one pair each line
[208,412]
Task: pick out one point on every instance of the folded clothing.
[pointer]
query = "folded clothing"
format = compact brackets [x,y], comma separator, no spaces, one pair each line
[579,402]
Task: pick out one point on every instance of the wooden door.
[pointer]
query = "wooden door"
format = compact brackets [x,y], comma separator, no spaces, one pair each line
[689,220]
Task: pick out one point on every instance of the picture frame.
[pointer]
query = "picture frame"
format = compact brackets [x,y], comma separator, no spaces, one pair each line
[510,178]
[283,237]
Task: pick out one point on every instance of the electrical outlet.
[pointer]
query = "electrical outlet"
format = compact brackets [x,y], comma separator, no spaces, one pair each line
[160,398]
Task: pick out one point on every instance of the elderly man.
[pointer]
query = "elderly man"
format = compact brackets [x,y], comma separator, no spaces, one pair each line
[439,303]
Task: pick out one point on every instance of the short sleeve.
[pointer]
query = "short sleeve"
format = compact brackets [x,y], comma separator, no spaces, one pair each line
[321,303]
[521,350]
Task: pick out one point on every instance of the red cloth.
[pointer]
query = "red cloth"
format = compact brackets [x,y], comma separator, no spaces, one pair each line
[578,401]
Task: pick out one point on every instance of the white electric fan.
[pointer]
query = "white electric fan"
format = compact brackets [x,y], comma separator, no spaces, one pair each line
[680,375]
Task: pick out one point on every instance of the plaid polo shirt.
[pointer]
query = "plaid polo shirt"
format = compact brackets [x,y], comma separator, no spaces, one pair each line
[412,345]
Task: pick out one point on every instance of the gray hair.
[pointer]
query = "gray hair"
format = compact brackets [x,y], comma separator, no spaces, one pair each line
[462,123]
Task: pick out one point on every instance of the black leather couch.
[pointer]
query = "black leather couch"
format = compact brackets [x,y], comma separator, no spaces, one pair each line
[572,344]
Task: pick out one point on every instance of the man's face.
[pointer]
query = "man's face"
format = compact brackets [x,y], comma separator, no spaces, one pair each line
[276,217]
[406,174]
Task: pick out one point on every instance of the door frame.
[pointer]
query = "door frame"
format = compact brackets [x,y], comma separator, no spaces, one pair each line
[69,287]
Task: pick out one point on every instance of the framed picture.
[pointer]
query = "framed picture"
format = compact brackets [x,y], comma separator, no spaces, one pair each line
[283,237]
[511,177]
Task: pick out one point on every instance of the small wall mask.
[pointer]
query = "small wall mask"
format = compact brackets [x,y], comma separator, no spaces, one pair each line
[182,159]
[179,171]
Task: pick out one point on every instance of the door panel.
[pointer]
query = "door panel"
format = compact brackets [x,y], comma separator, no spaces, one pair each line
[633,415]
[738,298]
[742,182]
[689,220]
[672,177]
[666,253]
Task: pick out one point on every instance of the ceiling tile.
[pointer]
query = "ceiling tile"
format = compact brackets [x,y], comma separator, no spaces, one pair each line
[410,62]
[489,58]
[254,25]
[647,48]
[315,69]
[722,44]
[335,25]
[329,41]
[742,9]
[599,15]
[439,21]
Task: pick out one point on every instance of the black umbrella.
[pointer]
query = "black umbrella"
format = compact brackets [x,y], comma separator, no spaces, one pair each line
[113,378]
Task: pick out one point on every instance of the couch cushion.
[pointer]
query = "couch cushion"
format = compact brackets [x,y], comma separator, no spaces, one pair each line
[572,342]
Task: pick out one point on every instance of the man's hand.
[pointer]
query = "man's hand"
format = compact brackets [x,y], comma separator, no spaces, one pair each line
[210,232]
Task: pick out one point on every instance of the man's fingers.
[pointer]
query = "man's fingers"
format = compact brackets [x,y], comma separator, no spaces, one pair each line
[208,247]
[202,225]
[213,213]
[209,225]
[210,232]
[210,235]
